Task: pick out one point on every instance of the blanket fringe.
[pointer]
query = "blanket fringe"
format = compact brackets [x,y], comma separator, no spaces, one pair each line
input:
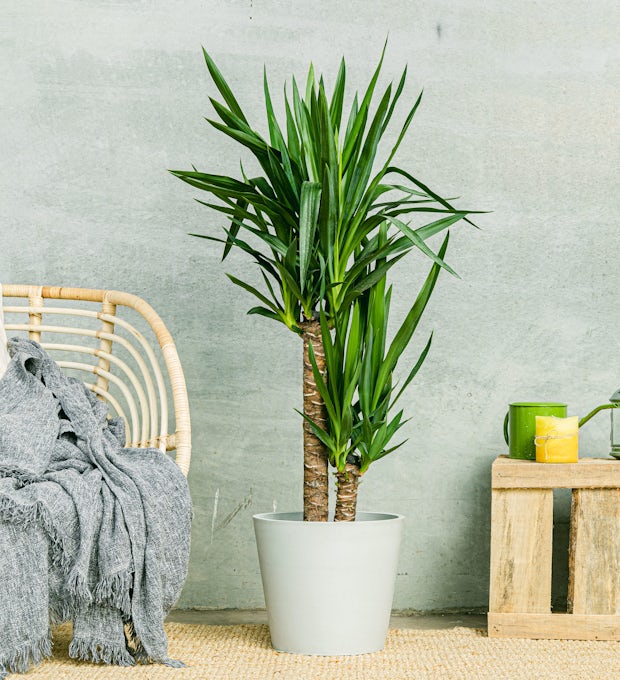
[77,586]
[20,659]
[97,651]
[114,590]
[140,654]
[37,513]
[21,477]
[61,612]
[173,663]
[143,658]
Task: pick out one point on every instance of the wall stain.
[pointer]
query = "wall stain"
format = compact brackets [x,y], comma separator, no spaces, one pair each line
[216,501]
[438,29]
[242,505]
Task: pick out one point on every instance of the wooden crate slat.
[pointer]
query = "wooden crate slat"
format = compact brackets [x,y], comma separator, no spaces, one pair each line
[555,626]
[509,473]
[594,552]
[521,548]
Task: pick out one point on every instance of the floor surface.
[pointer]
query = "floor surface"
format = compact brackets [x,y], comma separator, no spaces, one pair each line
[233,617]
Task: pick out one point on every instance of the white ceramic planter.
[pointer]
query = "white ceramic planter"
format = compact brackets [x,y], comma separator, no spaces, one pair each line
[328,585]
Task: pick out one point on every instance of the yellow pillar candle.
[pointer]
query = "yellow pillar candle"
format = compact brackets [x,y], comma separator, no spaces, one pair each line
[556,439]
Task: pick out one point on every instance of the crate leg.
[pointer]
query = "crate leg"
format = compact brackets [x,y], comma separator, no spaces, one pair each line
[521,549]
[594,552]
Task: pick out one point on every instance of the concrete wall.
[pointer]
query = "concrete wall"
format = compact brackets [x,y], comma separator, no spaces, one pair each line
[98,98]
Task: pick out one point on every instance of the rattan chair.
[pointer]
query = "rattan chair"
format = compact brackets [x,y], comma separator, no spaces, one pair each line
[122,341]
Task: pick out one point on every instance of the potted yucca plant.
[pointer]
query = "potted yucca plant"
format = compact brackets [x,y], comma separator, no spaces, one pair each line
[325,222]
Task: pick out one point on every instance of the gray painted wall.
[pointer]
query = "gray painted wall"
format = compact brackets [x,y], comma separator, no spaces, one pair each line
[99,97]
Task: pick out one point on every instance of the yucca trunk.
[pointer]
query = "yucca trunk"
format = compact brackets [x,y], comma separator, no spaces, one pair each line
[316,480]
[346,496]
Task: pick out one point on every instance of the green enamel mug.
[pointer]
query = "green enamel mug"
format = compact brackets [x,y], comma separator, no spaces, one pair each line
[520,425]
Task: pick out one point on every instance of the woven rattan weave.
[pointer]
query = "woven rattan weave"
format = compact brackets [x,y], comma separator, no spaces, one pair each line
[122,343]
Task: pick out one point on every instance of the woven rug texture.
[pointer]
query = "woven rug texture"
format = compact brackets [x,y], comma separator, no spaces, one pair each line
[245,653]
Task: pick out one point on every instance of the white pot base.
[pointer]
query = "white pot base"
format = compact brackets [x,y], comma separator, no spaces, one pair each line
[328,585]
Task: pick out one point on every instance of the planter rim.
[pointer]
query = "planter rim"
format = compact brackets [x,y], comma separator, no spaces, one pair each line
[297,518]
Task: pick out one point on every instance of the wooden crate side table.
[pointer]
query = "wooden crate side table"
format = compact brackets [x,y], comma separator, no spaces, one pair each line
[522,546]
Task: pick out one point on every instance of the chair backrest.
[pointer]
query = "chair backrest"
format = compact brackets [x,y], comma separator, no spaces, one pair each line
[120,340]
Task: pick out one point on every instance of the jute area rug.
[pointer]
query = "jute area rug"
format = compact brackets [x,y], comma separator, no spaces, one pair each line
[244,653]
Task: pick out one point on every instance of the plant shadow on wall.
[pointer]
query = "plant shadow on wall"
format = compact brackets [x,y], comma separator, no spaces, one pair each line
[325,227]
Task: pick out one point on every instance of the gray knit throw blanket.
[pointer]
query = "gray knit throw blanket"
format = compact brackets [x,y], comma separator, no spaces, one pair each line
[89,531]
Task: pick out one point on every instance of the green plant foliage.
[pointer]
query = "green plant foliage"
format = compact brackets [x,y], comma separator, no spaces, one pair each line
[359,388]
[311,220]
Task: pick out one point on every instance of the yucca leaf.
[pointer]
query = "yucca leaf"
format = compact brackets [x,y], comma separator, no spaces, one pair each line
[419,243]
[371,252]
[222,86]
[254,291]
[366,383]
[291,173]
[302,119]
[414,370]
[379,310]
[275,134]
[312,104]
[328,212]
[373,81]
[270,287]
[217,181]
[397,203]
[395,98]
[355,336]
[253,142]
[404,210]
[356,288]
[257,200]
[325,438]
[350,386]
[354,137]
[327,143]
[309,203]
[276,245]
[424,188]
[264,187]
[283,183]
[332,407]
[381,454]
[231,120]
[263,311]
[310,84]
[289,280]
[235,225]
[231,208]
[404,333]
[349,135]
[262,260]
[403,130]
[292,136]
[355,189]
[335,106]
[433,228]
[228,189]
[328,350]
[407,190]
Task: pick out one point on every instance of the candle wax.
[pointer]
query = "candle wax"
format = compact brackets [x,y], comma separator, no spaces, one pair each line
[557,439]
